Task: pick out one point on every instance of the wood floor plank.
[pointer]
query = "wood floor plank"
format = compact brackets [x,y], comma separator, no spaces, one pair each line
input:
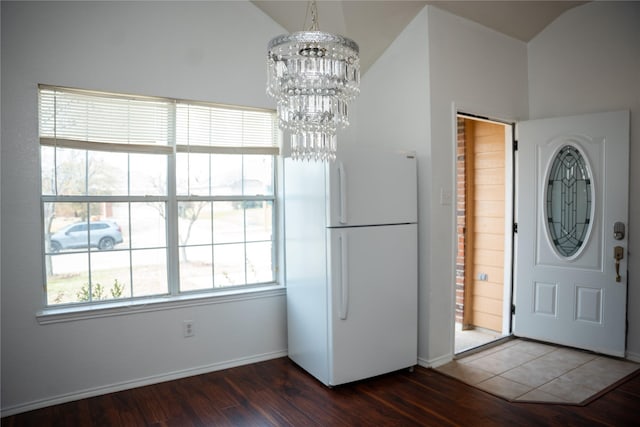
[279,393]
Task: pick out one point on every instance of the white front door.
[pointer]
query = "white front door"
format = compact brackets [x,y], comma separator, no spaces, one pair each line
[572,188]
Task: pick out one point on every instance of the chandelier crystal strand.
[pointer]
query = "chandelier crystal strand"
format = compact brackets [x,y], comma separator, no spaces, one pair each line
[313,75]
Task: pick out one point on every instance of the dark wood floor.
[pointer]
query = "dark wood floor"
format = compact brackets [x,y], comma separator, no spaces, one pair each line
[278,393]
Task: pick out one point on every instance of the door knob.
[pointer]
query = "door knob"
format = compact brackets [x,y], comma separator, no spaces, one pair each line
[618,255]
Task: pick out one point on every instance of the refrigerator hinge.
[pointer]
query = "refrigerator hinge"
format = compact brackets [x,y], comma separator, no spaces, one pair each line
[515,227]
[515,145]
[513,309]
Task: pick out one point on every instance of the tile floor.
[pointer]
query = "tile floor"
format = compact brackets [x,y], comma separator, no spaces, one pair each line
[527,371]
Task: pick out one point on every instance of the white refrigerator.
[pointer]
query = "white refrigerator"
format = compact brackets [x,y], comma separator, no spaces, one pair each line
[351,264]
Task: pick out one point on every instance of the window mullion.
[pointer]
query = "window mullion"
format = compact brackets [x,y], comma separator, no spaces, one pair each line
[244,219]
[274,224]
[130,251]
[173,253]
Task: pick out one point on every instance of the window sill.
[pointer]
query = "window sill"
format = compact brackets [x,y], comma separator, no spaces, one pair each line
[71,314]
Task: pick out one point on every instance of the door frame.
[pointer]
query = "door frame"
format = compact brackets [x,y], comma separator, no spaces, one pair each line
[509,216]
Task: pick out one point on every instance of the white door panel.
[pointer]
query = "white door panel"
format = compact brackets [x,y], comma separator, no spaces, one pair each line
[565,280]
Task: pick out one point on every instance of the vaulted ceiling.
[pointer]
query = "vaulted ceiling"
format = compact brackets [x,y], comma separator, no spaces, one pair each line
[375,24]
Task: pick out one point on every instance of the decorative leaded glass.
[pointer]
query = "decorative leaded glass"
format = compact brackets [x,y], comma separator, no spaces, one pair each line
[569,198]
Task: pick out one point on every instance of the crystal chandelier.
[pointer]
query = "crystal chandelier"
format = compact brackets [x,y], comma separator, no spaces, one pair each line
[313,76]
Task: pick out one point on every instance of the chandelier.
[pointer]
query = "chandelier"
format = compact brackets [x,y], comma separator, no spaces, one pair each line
[313,75]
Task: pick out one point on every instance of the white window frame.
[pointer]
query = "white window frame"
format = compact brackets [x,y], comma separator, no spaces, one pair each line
[174,297]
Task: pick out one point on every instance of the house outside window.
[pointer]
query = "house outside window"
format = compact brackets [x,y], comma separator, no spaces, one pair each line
[154,197]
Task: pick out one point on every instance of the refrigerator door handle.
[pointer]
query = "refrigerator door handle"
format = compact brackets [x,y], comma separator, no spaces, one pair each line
[342,179]
[344,278]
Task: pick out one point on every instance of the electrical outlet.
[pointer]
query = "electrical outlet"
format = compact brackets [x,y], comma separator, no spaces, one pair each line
[188,328]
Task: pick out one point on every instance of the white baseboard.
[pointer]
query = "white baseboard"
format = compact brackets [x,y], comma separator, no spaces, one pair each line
[434,363]
[155,379]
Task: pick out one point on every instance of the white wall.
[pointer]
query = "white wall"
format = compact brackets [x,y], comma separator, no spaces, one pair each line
[407,102]
[475,70]
[588,60]
[211,51]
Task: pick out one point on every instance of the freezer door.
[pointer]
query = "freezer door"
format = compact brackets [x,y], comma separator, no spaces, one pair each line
[373,293]
[372,187]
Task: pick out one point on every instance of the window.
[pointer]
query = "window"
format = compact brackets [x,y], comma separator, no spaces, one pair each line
[569,197]
[145,197]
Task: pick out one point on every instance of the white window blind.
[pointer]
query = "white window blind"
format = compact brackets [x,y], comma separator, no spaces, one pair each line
[76,118]
[69,117]
[211,129]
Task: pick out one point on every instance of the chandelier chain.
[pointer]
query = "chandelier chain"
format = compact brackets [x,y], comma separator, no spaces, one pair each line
[314,16]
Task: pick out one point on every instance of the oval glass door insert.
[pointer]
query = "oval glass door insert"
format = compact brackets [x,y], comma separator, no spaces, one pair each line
[569,199]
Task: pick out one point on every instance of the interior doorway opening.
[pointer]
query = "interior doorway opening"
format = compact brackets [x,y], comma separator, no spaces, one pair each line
[484,231]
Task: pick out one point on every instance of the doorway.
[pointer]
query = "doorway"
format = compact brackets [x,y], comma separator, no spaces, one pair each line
[484,218]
